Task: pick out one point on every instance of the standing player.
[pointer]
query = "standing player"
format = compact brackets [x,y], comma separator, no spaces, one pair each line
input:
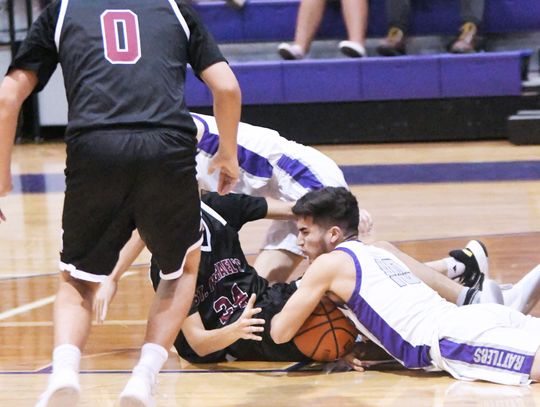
[274,167]
[396,310]
[130,150]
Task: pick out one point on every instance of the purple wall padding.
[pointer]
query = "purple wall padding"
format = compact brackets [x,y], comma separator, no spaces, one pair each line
[344,79]
[325,81]
[489,74]
[401,78]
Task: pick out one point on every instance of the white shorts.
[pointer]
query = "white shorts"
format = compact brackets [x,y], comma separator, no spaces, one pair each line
[282,235]
[487,342]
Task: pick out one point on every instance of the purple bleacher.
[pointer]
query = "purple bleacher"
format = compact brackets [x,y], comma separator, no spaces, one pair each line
[402,78]
[275,20]
[490,72]
[347,80]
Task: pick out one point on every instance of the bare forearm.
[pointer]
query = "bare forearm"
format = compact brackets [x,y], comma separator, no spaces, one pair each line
[279,209]
[213,340]
[128,254]
[14,89]
[227,103]
[227,113]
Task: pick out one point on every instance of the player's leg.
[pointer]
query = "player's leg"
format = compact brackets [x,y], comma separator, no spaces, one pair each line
[167,313]
[524,295]
[96,223]
[489,342]
[167,215]
[469,266]
[72,319]
[280,254]
[276,266]
[447,288]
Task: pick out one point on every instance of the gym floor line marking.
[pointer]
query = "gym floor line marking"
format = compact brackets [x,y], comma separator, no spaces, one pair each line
[35,324]
[27,307]
[39,303]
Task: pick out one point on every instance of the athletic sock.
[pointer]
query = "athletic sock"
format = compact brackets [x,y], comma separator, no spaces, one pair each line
[490,294]
[140,386]
[454,268]
[152,359]
[66,357]
[468,296]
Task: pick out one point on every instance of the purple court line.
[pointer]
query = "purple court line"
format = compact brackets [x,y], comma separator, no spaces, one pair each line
[295,367]
[381,174]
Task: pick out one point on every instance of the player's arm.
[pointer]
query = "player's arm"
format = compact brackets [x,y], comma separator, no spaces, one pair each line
[14,89]
[279,209]
[315,283]
[204,341]
[107,289]
[227,107]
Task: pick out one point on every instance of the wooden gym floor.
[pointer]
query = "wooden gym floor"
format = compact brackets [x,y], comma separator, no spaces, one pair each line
[428,198]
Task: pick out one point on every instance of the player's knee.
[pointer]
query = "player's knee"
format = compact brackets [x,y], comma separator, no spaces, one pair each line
[535,370]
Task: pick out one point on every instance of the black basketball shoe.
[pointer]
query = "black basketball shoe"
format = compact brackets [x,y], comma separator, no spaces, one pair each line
[475,258]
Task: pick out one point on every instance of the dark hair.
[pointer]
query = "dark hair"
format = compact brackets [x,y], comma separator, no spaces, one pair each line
[330,206]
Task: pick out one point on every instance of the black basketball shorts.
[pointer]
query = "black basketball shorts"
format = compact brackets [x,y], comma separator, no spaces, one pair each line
[120,180]
[271,303]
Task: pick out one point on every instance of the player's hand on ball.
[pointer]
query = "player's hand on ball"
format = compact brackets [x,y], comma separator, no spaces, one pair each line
[103,298]
[247,325]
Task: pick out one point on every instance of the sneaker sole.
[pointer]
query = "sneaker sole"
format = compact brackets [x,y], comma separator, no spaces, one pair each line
[130,401]
[350,52]
[390,53]
[287,55]
[480,254]
[66,396]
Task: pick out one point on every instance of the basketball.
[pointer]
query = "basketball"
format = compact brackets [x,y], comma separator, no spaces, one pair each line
[327,334]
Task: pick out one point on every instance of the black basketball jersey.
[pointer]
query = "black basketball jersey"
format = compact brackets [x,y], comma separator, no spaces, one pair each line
[124,62]
[226,281]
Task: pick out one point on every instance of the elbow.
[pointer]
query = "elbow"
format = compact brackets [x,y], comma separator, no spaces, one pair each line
[201,351]
[229,91]
[279,333]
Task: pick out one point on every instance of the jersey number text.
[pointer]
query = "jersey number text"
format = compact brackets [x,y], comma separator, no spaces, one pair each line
[226,307]
[121,39]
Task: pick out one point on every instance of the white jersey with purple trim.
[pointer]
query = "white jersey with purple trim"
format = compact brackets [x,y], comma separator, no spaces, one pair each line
[271,167]
[393,308]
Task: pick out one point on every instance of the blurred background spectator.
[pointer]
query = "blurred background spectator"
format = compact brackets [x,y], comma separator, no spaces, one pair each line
[398,14]
[309,18]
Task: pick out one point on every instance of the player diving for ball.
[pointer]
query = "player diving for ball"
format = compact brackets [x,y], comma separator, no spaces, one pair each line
[233,306]
[274,167]
[393,308]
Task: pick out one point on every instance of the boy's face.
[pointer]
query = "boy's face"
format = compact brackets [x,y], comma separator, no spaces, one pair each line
[313,239]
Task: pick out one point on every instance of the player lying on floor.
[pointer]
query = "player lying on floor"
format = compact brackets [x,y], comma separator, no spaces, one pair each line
[271,167]
[225,319]
[396,310]
[274,167]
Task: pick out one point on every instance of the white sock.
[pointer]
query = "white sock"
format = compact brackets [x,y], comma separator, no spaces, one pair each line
[153,357]
[454,268]
[471,297]
[491,293]
[66,357]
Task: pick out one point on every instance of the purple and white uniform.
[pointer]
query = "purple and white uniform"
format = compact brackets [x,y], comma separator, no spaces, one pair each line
[271,167]
[396,310]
